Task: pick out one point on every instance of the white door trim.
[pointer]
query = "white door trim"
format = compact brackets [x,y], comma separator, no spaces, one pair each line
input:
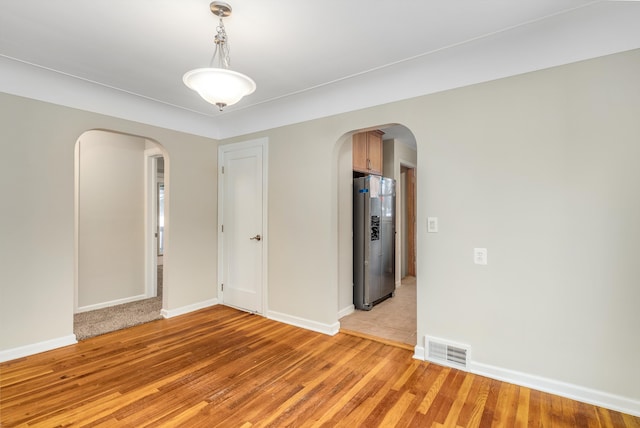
[150,222]
[76,222]
[262,143]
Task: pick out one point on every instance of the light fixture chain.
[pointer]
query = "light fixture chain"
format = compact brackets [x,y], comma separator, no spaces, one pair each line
[222,48]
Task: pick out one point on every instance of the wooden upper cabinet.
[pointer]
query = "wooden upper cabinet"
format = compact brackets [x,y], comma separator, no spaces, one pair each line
[360,152]
[374,144]
[367,152]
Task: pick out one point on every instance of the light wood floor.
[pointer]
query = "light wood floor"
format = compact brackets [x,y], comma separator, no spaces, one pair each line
[222,367]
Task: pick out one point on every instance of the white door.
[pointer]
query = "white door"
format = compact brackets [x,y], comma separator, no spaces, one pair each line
[242,225]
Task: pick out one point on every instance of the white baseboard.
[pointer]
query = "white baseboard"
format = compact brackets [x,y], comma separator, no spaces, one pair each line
[418,353]
[111,303]
[170,313]
[574,392]
[346,311]
[552,386]
[36,348]
[330,329]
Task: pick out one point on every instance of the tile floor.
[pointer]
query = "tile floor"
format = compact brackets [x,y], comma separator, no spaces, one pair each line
[393,319]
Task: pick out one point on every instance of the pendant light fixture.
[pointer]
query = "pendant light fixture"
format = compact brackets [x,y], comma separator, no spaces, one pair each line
[217,84]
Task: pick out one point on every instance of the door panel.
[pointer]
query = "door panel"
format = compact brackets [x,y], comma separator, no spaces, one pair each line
[242,220]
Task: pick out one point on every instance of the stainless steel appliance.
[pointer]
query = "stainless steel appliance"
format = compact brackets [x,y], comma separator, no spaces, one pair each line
[374,202]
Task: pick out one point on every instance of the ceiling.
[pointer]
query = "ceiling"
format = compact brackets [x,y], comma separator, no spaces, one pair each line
[309,59]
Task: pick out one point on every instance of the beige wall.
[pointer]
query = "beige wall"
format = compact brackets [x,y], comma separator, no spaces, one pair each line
[37,246]
[541,169]
[111,218]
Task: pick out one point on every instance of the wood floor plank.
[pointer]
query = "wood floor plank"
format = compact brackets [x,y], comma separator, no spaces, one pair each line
[460,398]
[522,410]
[222,367]
[477,405]
[489,416]
[506,406]
[433,391]
[393,416]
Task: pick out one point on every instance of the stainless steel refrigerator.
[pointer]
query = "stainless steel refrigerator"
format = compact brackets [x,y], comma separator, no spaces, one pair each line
[374,203]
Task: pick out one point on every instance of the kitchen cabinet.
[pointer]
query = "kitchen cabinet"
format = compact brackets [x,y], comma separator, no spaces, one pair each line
[367,152]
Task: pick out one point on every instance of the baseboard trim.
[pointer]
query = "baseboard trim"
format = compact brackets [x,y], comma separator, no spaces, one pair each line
[36,348]
[418,353]
[563,389]
[170,313]
[330,329]
[111,303]
[346,311]
[574,392]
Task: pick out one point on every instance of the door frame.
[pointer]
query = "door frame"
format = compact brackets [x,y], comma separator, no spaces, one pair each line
[262,143]
[400,202]
[151,224]
[409,204]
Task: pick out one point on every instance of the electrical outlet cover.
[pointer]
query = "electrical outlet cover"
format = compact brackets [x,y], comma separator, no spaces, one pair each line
[480,256]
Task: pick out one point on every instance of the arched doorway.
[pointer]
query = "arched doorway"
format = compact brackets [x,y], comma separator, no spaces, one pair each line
[395,318]
[117,219]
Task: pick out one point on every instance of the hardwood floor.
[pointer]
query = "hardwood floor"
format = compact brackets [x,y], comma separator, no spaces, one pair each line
[222,367]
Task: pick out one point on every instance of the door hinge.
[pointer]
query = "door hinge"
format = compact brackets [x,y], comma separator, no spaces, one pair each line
[223,170]
[222,228]
[221,287]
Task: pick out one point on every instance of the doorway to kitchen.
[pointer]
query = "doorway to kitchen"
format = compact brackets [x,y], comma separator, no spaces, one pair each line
[392,319]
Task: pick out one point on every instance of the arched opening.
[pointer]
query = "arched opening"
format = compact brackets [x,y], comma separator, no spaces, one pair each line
[393,319]
[121,184]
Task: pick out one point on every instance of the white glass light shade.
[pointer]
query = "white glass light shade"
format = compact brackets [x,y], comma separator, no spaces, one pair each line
[219,86]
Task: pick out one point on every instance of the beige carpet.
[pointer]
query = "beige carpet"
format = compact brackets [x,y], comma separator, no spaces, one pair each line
[393,319]
[101,321]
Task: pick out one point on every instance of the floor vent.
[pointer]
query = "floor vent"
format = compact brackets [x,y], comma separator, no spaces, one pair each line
[447,353]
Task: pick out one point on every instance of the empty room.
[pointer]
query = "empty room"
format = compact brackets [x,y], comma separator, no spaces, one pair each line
[486,152]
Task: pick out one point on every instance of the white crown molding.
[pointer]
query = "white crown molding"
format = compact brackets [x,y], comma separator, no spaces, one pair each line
[593,31]
[598,29]
[30,81]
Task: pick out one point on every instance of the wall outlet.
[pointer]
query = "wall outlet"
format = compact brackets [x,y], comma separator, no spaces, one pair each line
[480,256]
[432,224]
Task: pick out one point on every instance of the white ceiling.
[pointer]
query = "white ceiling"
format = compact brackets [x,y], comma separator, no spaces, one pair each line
[309,59]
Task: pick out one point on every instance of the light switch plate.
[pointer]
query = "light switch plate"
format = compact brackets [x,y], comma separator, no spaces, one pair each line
[432,224]
[480,256]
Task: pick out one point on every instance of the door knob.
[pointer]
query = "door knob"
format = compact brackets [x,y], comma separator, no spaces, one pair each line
[257,237]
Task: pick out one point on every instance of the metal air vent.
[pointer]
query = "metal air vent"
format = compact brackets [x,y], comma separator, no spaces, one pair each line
[447,353]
